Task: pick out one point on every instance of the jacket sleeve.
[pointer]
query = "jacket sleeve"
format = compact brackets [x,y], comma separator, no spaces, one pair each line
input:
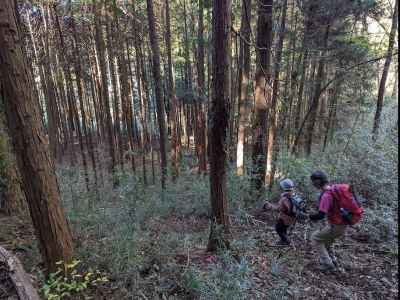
[318,216]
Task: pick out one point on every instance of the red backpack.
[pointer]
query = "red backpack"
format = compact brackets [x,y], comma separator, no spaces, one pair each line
[346,209]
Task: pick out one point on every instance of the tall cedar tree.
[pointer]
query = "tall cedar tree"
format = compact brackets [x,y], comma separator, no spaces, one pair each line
[219,118]
[201,122]
[155,49]
[30,143]
[263,93]
[244,73]
[273,146]
[175,147]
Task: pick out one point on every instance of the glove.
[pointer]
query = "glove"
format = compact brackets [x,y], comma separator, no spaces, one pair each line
[267,206]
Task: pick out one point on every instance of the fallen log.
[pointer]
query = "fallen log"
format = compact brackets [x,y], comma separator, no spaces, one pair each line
[18,276]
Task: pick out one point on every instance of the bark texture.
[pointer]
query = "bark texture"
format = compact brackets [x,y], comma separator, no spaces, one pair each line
[219,118]
[31,145]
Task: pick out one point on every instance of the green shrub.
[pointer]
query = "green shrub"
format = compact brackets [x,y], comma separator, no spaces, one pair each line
[68,281]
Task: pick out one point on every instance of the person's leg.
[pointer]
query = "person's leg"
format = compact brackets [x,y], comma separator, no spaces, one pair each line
[337,231]
[320,239]
[281,230]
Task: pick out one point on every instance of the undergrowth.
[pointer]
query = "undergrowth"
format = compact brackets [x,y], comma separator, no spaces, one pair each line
[136,232]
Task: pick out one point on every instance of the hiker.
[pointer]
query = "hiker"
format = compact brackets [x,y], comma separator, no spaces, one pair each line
[287,210]
[340,206]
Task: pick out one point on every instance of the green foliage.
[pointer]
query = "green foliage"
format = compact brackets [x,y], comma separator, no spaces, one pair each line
[225,279]
[354,157]
[68,281]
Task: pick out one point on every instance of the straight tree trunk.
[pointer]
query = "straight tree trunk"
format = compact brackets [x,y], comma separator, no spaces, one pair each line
[33,157]
[273,147]
[81,88]
[175,149]
[105,98]
[320,77]
[219,115]
[263,92]
[382,84]
[201,122]
[244,74]
[158,92]
[71,98]
[113,75]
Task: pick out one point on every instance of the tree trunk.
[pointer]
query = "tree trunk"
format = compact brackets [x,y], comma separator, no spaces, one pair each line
[175,149]
[80,85]
[262,94]
[71,99]
[12,198]
[113,75]
[273,147]
[219,116]
[244,74]
[33,157]
[320,77]
[105,98]
[382,84]
[157,81]
[201,121]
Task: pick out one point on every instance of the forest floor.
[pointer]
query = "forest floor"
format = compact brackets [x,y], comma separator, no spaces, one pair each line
[368,270]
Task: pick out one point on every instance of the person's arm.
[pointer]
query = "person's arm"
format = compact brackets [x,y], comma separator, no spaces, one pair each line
[318,216]
[270,206]
[324,206]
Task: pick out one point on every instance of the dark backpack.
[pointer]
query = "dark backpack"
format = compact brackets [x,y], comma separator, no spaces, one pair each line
[298,209]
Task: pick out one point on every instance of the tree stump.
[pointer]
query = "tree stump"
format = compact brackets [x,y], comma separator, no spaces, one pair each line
[20,279]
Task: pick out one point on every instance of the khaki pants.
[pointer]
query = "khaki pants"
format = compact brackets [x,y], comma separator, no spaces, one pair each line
[323,239]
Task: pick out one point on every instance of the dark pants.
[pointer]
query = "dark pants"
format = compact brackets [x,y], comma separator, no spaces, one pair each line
[281,230]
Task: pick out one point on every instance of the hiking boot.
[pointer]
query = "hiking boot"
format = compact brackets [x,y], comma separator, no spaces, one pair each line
[327,267]
[326,264]
[282,243]
[332,257]
[334,260]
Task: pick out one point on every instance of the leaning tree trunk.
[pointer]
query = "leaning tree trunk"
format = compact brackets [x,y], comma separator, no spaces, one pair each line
[262,93]
[30,144]
[12,196]
[244,74]
[155,48]
[219,118]
[20,279]
[381,92]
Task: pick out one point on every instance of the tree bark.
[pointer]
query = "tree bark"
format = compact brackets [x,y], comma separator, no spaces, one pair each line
[320,77]
[157,81]
[201,122]
[273,148]
[382,84]
[19,277]
[219,118]
[105,98]
[244,74]
[30,144]
[263,92]
[175,149]
[12,198]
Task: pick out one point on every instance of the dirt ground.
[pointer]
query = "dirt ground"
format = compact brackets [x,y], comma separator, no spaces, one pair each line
[367,270]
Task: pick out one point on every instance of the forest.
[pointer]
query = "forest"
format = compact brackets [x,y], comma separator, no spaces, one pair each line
[198,149]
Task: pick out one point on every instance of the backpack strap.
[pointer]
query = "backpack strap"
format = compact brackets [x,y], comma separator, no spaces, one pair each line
[291,212]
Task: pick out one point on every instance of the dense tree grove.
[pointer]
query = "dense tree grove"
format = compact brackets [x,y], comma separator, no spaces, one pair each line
[111,88]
